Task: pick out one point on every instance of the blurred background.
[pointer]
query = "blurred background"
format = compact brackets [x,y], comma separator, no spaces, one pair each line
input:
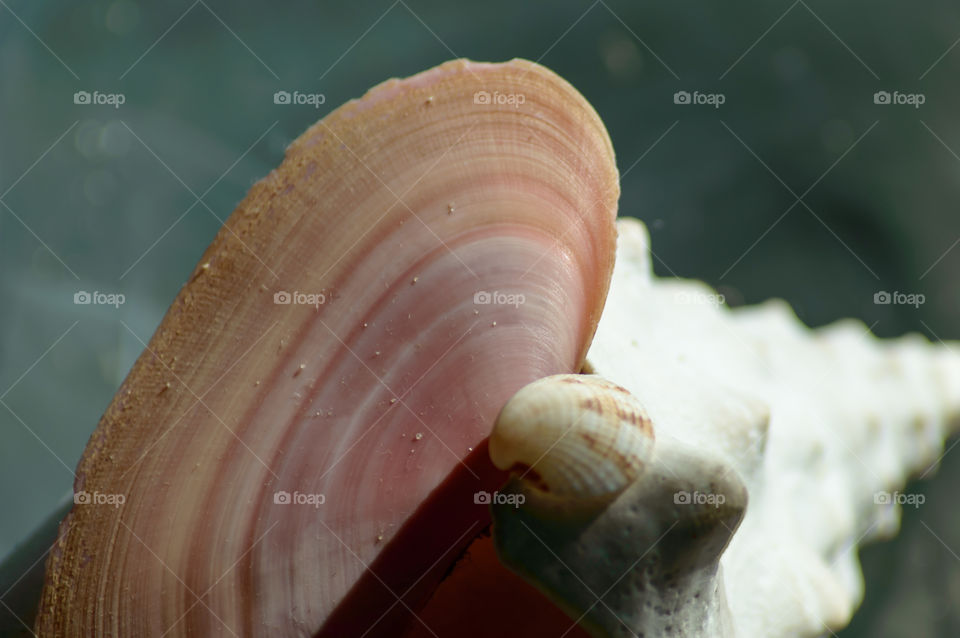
[804,150]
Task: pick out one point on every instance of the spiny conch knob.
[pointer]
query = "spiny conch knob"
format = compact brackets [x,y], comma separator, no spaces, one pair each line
[573,436]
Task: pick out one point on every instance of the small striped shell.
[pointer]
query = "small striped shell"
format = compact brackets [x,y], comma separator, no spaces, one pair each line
[573,436]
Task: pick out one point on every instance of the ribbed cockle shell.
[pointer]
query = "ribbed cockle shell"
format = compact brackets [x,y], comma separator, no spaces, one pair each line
[575,436]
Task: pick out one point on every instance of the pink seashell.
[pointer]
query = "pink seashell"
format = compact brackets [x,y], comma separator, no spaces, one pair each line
[336,362]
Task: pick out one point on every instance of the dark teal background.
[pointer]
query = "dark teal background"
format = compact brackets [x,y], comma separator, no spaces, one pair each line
[98,198]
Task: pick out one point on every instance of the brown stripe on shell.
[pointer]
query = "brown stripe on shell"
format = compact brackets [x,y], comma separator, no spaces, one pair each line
[584,436]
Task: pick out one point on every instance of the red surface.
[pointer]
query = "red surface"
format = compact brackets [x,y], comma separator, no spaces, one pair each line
[483,599]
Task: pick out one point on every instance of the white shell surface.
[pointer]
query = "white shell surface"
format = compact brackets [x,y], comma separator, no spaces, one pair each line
[819,424]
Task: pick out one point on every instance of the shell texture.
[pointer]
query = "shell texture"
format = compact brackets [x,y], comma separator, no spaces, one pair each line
[302,435]
[816,428]
[313,407]
[574,436]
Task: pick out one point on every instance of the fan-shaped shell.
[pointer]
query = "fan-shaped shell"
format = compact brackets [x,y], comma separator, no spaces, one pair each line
[316,392]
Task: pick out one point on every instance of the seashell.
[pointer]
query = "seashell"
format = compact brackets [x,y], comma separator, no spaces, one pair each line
[400,221]
[574,436]
[628,549]
[813,427]
[819,425]
[419,256]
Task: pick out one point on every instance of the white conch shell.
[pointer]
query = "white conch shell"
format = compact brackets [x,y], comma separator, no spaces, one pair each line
[819,424]
[814,428]
[574,436]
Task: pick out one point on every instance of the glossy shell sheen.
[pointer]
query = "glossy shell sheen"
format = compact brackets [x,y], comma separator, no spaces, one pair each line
[574,436]
[335,360]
